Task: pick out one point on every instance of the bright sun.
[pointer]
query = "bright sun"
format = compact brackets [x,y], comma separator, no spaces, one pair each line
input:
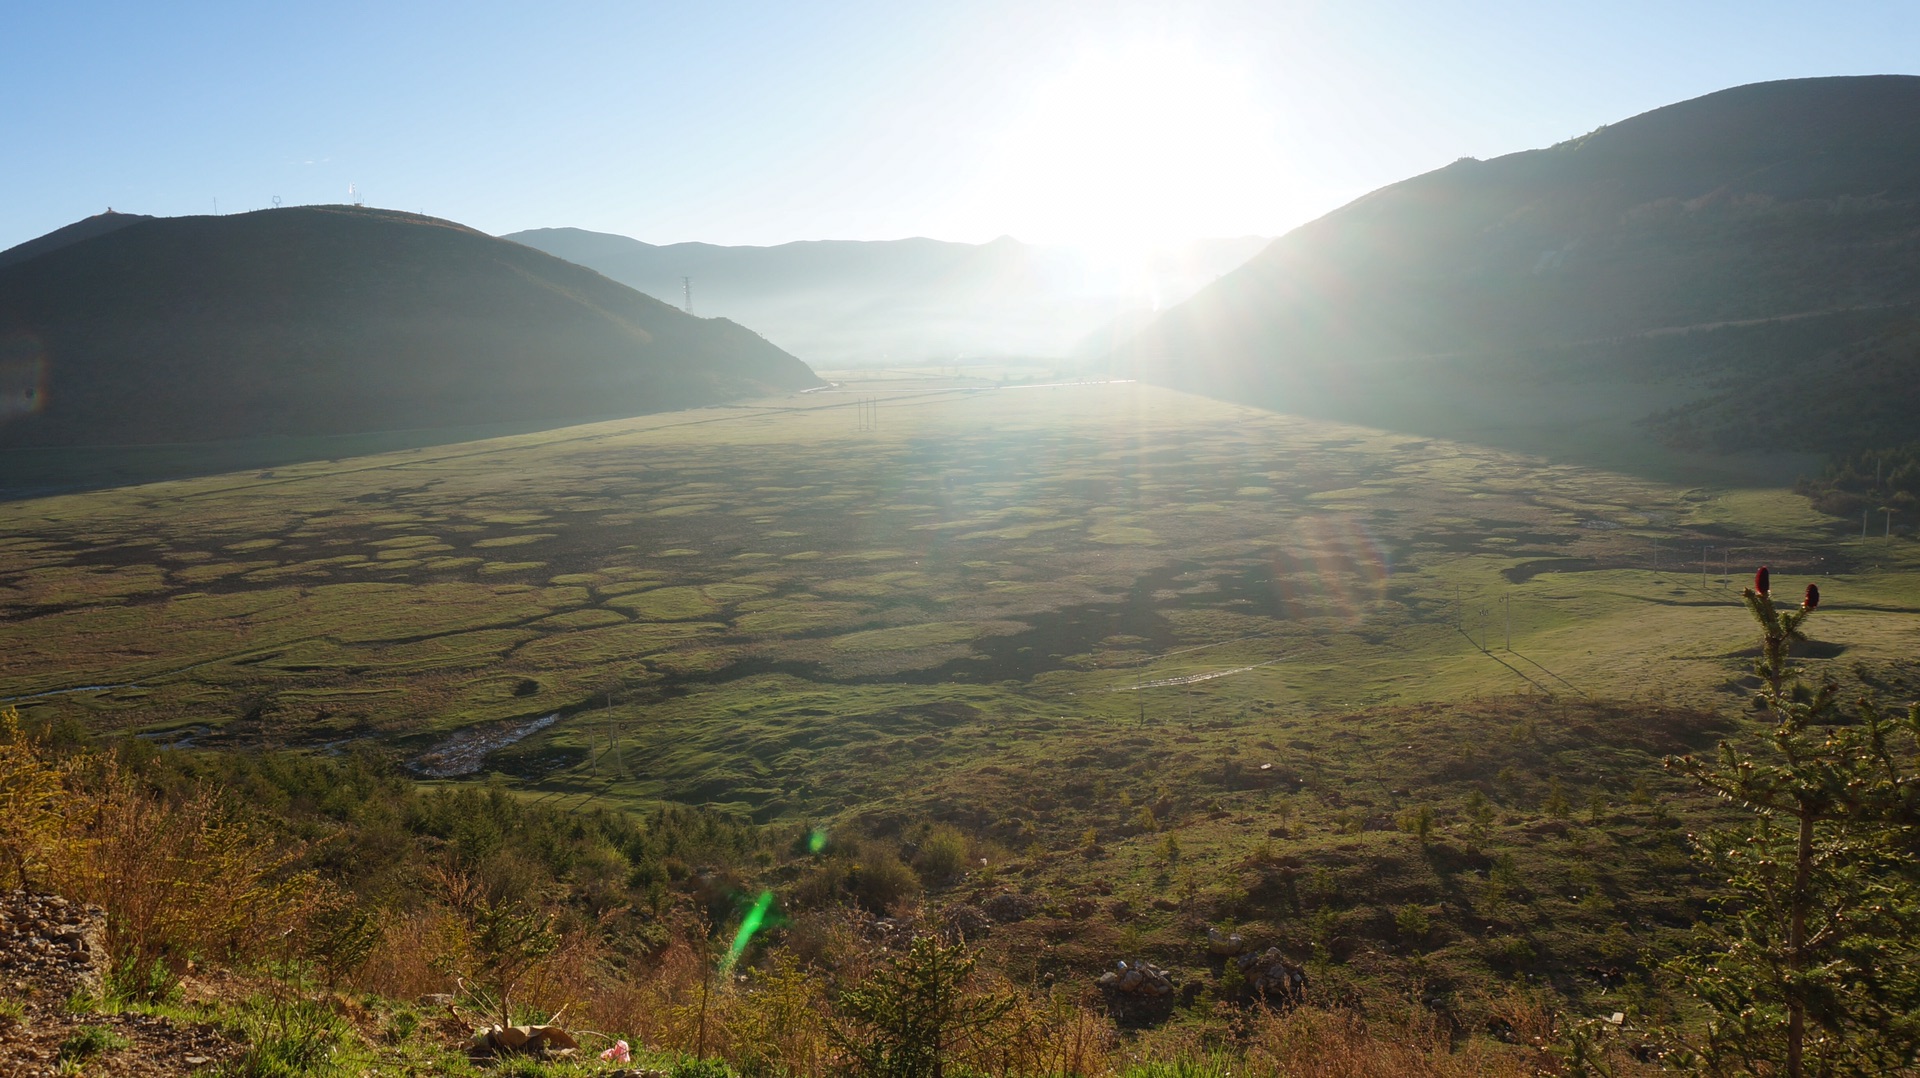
[1134,147]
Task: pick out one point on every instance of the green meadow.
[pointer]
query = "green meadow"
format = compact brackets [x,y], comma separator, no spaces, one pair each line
[1072,552]
[1072,620]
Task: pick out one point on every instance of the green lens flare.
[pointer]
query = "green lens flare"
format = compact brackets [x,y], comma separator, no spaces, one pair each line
[749,925]
[817,841]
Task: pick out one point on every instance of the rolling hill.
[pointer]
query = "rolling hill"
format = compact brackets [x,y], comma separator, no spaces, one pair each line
[324,321]
[913,300]
[1732,273]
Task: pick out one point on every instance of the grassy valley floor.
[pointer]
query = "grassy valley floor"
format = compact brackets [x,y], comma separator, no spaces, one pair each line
[1396,705]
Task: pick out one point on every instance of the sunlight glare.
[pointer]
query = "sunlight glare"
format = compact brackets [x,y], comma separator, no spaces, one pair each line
[1136,147]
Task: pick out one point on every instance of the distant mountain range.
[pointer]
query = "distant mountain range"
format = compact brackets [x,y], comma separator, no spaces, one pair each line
[910,301]
[1736,272]
[334,320]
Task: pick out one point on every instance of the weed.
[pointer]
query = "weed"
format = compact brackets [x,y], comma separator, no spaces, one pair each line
[88,1041]
[133,980]
[1206,1066]
[690,1067]
[286,1038]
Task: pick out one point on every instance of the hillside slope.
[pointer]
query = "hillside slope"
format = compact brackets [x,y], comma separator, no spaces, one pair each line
[334,320]
[1689,269]
[911,300]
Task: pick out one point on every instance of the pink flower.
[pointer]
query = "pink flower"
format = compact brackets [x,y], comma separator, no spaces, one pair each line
[618,1053]
[1760,580]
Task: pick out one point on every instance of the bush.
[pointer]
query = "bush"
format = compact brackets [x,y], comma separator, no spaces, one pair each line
[34,801]
[943,856]
[910,1017]
[881,881]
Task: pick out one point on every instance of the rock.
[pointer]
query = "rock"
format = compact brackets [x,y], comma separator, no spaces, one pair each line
[525,1040]
[1007,907]
[1137,993]
[966,922]
[1223,943]
[1271,977]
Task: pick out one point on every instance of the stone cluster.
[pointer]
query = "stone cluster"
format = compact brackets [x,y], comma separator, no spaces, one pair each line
[50,947]
[1137,993]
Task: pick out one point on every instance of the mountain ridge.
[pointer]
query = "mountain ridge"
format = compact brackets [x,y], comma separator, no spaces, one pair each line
[912,300]
[333,320]
[1725,213]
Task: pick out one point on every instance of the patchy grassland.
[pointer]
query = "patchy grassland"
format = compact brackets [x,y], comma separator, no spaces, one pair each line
[1071,620]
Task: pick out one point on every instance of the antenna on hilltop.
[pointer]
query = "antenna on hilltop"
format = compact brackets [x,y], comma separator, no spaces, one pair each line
[353,192]
[276,202]
[686,284]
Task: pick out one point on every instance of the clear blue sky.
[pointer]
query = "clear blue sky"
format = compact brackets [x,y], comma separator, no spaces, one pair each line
[766,122]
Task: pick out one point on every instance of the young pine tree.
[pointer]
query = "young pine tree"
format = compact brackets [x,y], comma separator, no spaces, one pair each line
[913,1015]
[1813,965]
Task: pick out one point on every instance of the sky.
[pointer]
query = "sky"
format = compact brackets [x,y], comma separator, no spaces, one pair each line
[762,123]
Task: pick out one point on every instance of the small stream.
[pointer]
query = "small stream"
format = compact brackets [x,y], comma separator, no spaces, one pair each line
[464,751]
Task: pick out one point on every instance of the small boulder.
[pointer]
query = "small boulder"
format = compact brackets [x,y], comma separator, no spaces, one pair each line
[965,922]
[1271,977]
[1226,944]
[524,1040]
[1137,993]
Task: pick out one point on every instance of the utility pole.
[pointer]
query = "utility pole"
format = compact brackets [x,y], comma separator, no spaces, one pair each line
[1704,549]
[1889,513]
[1863,522]
[1507,602]
[686,288]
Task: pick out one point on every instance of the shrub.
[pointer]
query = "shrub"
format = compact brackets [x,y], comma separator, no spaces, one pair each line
[908,1018]
[181,877]
[34,801]
[943,856]
[881,881]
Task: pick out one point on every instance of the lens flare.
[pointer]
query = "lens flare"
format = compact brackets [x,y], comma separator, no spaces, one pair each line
[749,926]
[1330,567]
[23,377]
[817,840]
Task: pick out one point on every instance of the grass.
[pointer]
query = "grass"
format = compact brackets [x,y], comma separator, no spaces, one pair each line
[1072,622]
[1001,541]
[87,1042]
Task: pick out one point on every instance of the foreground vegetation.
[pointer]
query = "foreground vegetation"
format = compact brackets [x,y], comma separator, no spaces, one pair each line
[1075,680]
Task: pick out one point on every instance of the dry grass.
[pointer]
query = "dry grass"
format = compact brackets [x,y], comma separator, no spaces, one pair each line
[180,876]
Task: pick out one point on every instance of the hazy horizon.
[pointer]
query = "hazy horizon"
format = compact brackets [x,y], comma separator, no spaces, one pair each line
[1090,125]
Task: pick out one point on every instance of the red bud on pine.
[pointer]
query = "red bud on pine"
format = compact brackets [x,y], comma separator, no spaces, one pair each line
[1760,580]
[1813,597]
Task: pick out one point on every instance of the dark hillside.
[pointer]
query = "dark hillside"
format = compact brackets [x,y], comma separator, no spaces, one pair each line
[1532,284]
[85,229]
[334,320]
